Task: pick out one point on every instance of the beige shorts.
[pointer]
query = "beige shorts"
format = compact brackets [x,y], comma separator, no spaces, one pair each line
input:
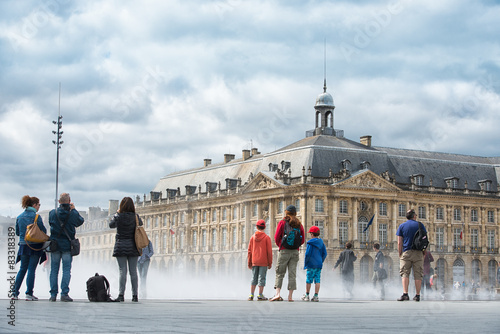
[412,259]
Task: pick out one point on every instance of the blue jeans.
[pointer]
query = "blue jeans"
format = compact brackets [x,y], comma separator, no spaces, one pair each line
[55,259]
[28,264]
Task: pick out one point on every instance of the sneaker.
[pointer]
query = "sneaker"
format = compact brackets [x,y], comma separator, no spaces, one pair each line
[315,299]
[66,298]
[31,298]
[261,297]
[120,298]
[14,298]
[403,297]
[250,298]
[52,298]
[305,297]
[134,298]
[416,298]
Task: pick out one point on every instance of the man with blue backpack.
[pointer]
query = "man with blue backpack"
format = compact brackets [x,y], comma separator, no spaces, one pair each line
[289,237]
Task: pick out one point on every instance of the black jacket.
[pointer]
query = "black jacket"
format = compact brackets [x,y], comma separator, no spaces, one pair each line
[74,220]
[125,234]
[346,259]
[379,258]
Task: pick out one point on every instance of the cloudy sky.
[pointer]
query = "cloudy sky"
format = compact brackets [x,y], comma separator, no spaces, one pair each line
[152,87]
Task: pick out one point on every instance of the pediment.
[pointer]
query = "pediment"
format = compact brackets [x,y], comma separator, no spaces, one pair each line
[261,182]
[367,180]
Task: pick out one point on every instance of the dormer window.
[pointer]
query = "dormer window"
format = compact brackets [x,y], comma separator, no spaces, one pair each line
[452,182]
[346,164]
[418,179]
[485,185]
[273,167]
[365,165]
[285,165]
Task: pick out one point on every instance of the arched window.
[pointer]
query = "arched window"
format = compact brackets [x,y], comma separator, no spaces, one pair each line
[492,272]
[202,267]
[364,267]
[476,270]
[222,266]
[458,271]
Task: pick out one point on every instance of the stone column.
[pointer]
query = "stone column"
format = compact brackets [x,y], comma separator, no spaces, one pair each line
[334,225]
[373,236]
[391,231]
[354,229]
[448,218]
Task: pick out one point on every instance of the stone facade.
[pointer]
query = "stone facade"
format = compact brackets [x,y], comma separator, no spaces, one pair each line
[336,184]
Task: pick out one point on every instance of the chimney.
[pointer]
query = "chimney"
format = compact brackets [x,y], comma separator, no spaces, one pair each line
[113,206]
[246,154]
[228,157]
[366,140]
[207,162]
[255,151]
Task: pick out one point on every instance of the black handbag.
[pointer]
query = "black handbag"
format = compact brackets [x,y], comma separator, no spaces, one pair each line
[75,247]
[51,246]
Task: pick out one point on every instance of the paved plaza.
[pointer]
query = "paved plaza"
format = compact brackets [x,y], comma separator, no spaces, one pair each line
[241,316]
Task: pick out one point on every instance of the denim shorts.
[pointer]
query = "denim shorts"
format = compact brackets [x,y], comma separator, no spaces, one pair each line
[259,275]
[313,275]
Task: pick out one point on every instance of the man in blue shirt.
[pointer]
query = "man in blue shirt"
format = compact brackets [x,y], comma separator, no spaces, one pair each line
[410,258]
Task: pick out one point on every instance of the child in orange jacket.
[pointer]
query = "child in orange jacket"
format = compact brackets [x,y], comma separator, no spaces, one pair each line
[260,258]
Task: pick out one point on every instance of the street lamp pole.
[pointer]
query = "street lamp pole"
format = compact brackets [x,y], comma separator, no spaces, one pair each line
[58,142]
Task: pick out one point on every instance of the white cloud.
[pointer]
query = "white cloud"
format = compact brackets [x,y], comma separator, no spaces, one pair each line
[157,86]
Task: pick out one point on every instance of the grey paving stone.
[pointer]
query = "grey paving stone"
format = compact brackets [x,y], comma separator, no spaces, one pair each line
[241,316]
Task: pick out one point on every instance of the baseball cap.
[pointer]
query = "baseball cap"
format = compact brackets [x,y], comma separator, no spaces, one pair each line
[314,229]
[261,223]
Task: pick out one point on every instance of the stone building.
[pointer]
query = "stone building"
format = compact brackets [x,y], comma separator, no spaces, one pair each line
[201,219]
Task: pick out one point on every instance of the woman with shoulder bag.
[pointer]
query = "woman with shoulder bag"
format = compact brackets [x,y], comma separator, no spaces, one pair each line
[287,257]
[30,254]
[125,249]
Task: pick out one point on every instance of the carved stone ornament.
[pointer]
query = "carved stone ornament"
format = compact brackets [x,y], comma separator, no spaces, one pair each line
[264,184]
[368,180]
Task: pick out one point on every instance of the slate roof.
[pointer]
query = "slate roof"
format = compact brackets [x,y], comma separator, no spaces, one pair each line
[323,153]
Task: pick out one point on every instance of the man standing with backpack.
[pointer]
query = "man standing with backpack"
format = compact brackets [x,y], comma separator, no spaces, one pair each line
[412,243]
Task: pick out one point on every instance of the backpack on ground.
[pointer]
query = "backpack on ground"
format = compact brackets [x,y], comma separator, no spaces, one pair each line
[98,289]
[420,240]
[292,238]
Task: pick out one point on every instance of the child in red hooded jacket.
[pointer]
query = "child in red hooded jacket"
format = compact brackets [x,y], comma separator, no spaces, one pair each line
[260,258]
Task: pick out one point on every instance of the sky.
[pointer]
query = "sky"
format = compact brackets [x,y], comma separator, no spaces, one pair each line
[153,87]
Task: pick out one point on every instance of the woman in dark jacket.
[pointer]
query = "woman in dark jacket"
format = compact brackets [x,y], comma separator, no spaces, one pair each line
[125,249]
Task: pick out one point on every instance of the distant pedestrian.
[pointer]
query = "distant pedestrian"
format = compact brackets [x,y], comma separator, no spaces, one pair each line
[428,271]
[260,258]
[143,267]
[410,258]
[64,219]
[379,272]
[346,261]
[125,249]
[30,254]
[313,263]
[289,232]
